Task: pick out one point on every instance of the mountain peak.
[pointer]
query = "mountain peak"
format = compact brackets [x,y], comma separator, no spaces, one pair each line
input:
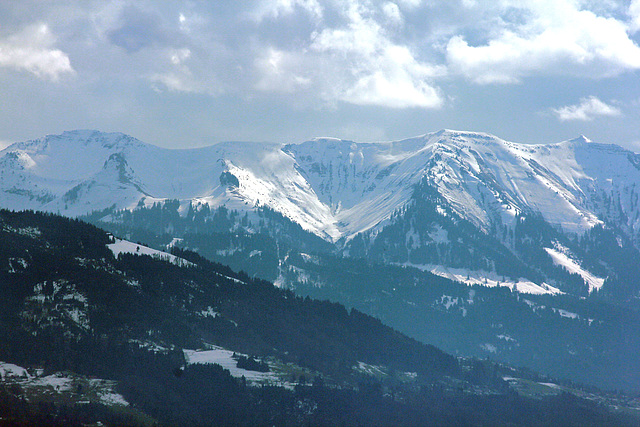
[326,139]
[456,138]
[581,140]
[81,137]
[105,139]
[465,133]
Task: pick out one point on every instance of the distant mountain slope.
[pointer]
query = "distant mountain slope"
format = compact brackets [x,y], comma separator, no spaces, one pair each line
[342,190]
[573,333]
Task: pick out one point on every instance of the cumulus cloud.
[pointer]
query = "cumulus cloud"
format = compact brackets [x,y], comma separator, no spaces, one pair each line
[294,57]
[588,109]
[355,61]
[549,37]
[377,71]
[634,14]
[178,71]
[278,8]
[410,3]
[32,50]
[281,71]
[392,12]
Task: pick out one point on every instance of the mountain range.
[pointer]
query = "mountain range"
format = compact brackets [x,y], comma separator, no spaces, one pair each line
[340,190]
[333,188]
[528,254]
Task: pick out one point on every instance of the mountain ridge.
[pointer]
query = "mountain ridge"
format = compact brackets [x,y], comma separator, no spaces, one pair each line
[551,225]
[341,190]
[326,177]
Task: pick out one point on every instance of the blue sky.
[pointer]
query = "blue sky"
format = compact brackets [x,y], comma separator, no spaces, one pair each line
[193,73]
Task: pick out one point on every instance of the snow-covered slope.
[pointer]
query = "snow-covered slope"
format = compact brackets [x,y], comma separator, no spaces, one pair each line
[120,246]
[331,187]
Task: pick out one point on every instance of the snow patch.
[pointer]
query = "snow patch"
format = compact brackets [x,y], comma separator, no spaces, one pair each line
[11,370]
[484,278]
[489,348]
[174,242]
[32,382]
[565,313]
[314,259]
[56,303]
[551,385]
[57,382]
[439,235]
[448,301]
[112,398]
[559,258]
[224,358]
[372,370]
[17,264]
[32,232]
[125,247]
[209,312]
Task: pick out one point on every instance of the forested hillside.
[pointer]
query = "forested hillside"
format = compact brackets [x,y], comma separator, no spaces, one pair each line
[73,312]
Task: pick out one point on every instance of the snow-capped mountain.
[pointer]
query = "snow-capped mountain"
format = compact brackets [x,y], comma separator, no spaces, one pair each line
[332,187]
[82,171]
[370,225]
[341,189]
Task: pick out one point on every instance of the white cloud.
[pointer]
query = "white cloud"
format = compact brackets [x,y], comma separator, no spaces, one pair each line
[634,14]
[354,61]
[31,50]
[277,8]
[392,12]
[549,37]
[374,70]
[176,74]
[280,71]
[292,58]
[178,56]
[588,109]
[410,3]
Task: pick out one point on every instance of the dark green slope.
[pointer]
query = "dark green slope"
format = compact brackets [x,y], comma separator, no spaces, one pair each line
[132,295]
[69,305]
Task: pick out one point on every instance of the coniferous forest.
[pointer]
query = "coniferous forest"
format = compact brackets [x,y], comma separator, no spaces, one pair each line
[74,310]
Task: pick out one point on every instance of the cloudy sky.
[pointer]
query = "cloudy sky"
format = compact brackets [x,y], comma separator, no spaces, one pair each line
[192,73]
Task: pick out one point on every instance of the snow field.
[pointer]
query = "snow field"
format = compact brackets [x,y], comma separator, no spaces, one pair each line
[123,246]
[594,282]
[331,187]
[484,278]
[224,358]
[61,385]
